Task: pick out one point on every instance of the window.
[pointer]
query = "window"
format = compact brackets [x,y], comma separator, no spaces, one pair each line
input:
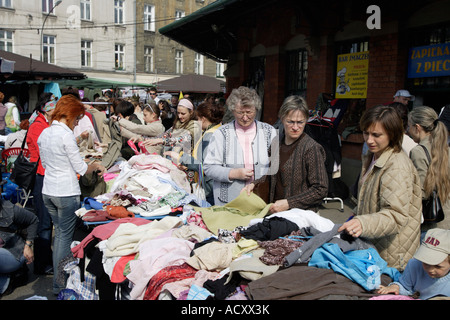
[179,14]
[148,59]
[47,5]
[48,48]
[179,61]
[6,40]
[149,18]
[86,53]
[118,11]
[119,56]
[6,3]
[353,46]
[426,36]
[85,9]
[220,69]
[297,72]
[198,64]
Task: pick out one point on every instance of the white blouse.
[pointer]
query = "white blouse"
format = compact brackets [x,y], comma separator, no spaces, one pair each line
[62,161]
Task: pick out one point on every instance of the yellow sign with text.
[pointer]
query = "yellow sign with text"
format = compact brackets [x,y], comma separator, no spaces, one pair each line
[352,75]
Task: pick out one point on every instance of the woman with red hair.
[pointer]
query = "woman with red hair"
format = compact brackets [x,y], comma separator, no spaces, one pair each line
[62,161]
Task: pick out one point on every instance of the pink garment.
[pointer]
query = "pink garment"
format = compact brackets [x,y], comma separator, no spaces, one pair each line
[103,232]
[109,176]
[154,255]
[391,297]
[154,161]
[245,137]
[117,275]
[195,218]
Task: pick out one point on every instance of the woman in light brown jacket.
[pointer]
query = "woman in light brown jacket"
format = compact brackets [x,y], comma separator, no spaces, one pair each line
[390,197]
[426,130]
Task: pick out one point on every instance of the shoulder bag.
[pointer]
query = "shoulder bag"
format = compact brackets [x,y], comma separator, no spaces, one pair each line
[24,172]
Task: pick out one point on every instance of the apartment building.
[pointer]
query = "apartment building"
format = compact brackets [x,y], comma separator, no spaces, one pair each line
[105,39]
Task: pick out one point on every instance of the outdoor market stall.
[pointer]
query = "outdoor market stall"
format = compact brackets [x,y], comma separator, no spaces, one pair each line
[148,237]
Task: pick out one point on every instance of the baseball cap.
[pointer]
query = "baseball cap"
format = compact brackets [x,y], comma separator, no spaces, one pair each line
[404,93]
[435,247]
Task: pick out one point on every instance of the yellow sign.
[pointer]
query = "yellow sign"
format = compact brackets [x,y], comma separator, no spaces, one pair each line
[352,75]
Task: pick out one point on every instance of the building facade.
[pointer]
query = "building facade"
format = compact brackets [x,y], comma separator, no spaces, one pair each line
[311,48]
[105,39]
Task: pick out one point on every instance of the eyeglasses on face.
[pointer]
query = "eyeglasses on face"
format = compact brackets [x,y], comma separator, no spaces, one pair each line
[245,113]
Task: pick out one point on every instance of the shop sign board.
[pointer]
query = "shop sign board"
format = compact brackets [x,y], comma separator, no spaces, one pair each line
[429,61]
[352,75]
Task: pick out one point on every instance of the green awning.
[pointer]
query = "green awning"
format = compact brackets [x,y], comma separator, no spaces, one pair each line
[94,83]
[90,83]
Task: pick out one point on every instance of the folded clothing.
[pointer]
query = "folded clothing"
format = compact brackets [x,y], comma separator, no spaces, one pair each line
[97,215]
[119,212]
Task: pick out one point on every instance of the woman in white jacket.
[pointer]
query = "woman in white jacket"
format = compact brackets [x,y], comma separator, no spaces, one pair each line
[61,158]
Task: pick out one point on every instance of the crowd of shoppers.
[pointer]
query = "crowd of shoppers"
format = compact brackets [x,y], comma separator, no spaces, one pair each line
[242,154]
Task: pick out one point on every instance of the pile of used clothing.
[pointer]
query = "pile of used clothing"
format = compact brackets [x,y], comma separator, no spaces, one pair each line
[151,238]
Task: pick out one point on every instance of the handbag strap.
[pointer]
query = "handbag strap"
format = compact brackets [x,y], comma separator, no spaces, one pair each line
[426,153]
[24,141]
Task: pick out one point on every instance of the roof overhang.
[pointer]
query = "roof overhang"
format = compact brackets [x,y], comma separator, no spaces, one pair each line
[27,68]
[211,31]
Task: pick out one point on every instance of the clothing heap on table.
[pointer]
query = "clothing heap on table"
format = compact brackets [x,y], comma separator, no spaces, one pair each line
[148,237]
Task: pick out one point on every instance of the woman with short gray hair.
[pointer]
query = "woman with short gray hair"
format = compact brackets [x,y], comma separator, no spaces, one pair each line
[239,151]
[245,97]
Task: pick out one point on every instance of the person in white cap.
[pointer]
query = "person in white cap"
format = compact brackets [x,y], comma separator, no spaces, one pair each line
[403,96]
[428,272]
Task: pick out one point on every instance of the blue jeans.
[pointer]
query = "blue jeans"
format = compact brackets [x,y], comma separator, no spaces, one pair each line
[8,264]
[62,210]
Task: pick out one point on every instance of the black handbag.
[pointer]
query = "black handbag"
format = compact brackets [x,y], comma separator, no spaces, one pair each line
[432,207]
[23,171]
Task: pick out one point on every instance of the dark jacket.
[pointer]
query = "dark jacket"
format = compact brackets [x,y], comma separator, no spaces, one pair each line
[304,175]
[16,226]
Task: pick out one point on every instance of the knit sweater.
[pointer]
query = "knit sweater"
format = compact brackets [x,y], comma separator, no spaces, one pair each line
[303,176]
[225,153]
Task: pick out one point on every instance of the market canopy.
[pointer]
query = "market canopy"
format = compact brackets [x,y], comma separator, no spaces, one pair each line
[15,67]
[95,83]
[193,83]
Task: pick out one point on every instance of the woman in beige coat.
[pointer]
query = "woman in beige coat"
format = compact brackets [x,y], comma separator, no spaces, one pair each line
[390,198]
[426,129]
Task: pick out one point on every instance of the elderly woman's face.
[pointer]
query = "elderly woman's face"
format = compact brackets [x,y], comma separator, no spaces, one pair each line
[294,124]
[244,115]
